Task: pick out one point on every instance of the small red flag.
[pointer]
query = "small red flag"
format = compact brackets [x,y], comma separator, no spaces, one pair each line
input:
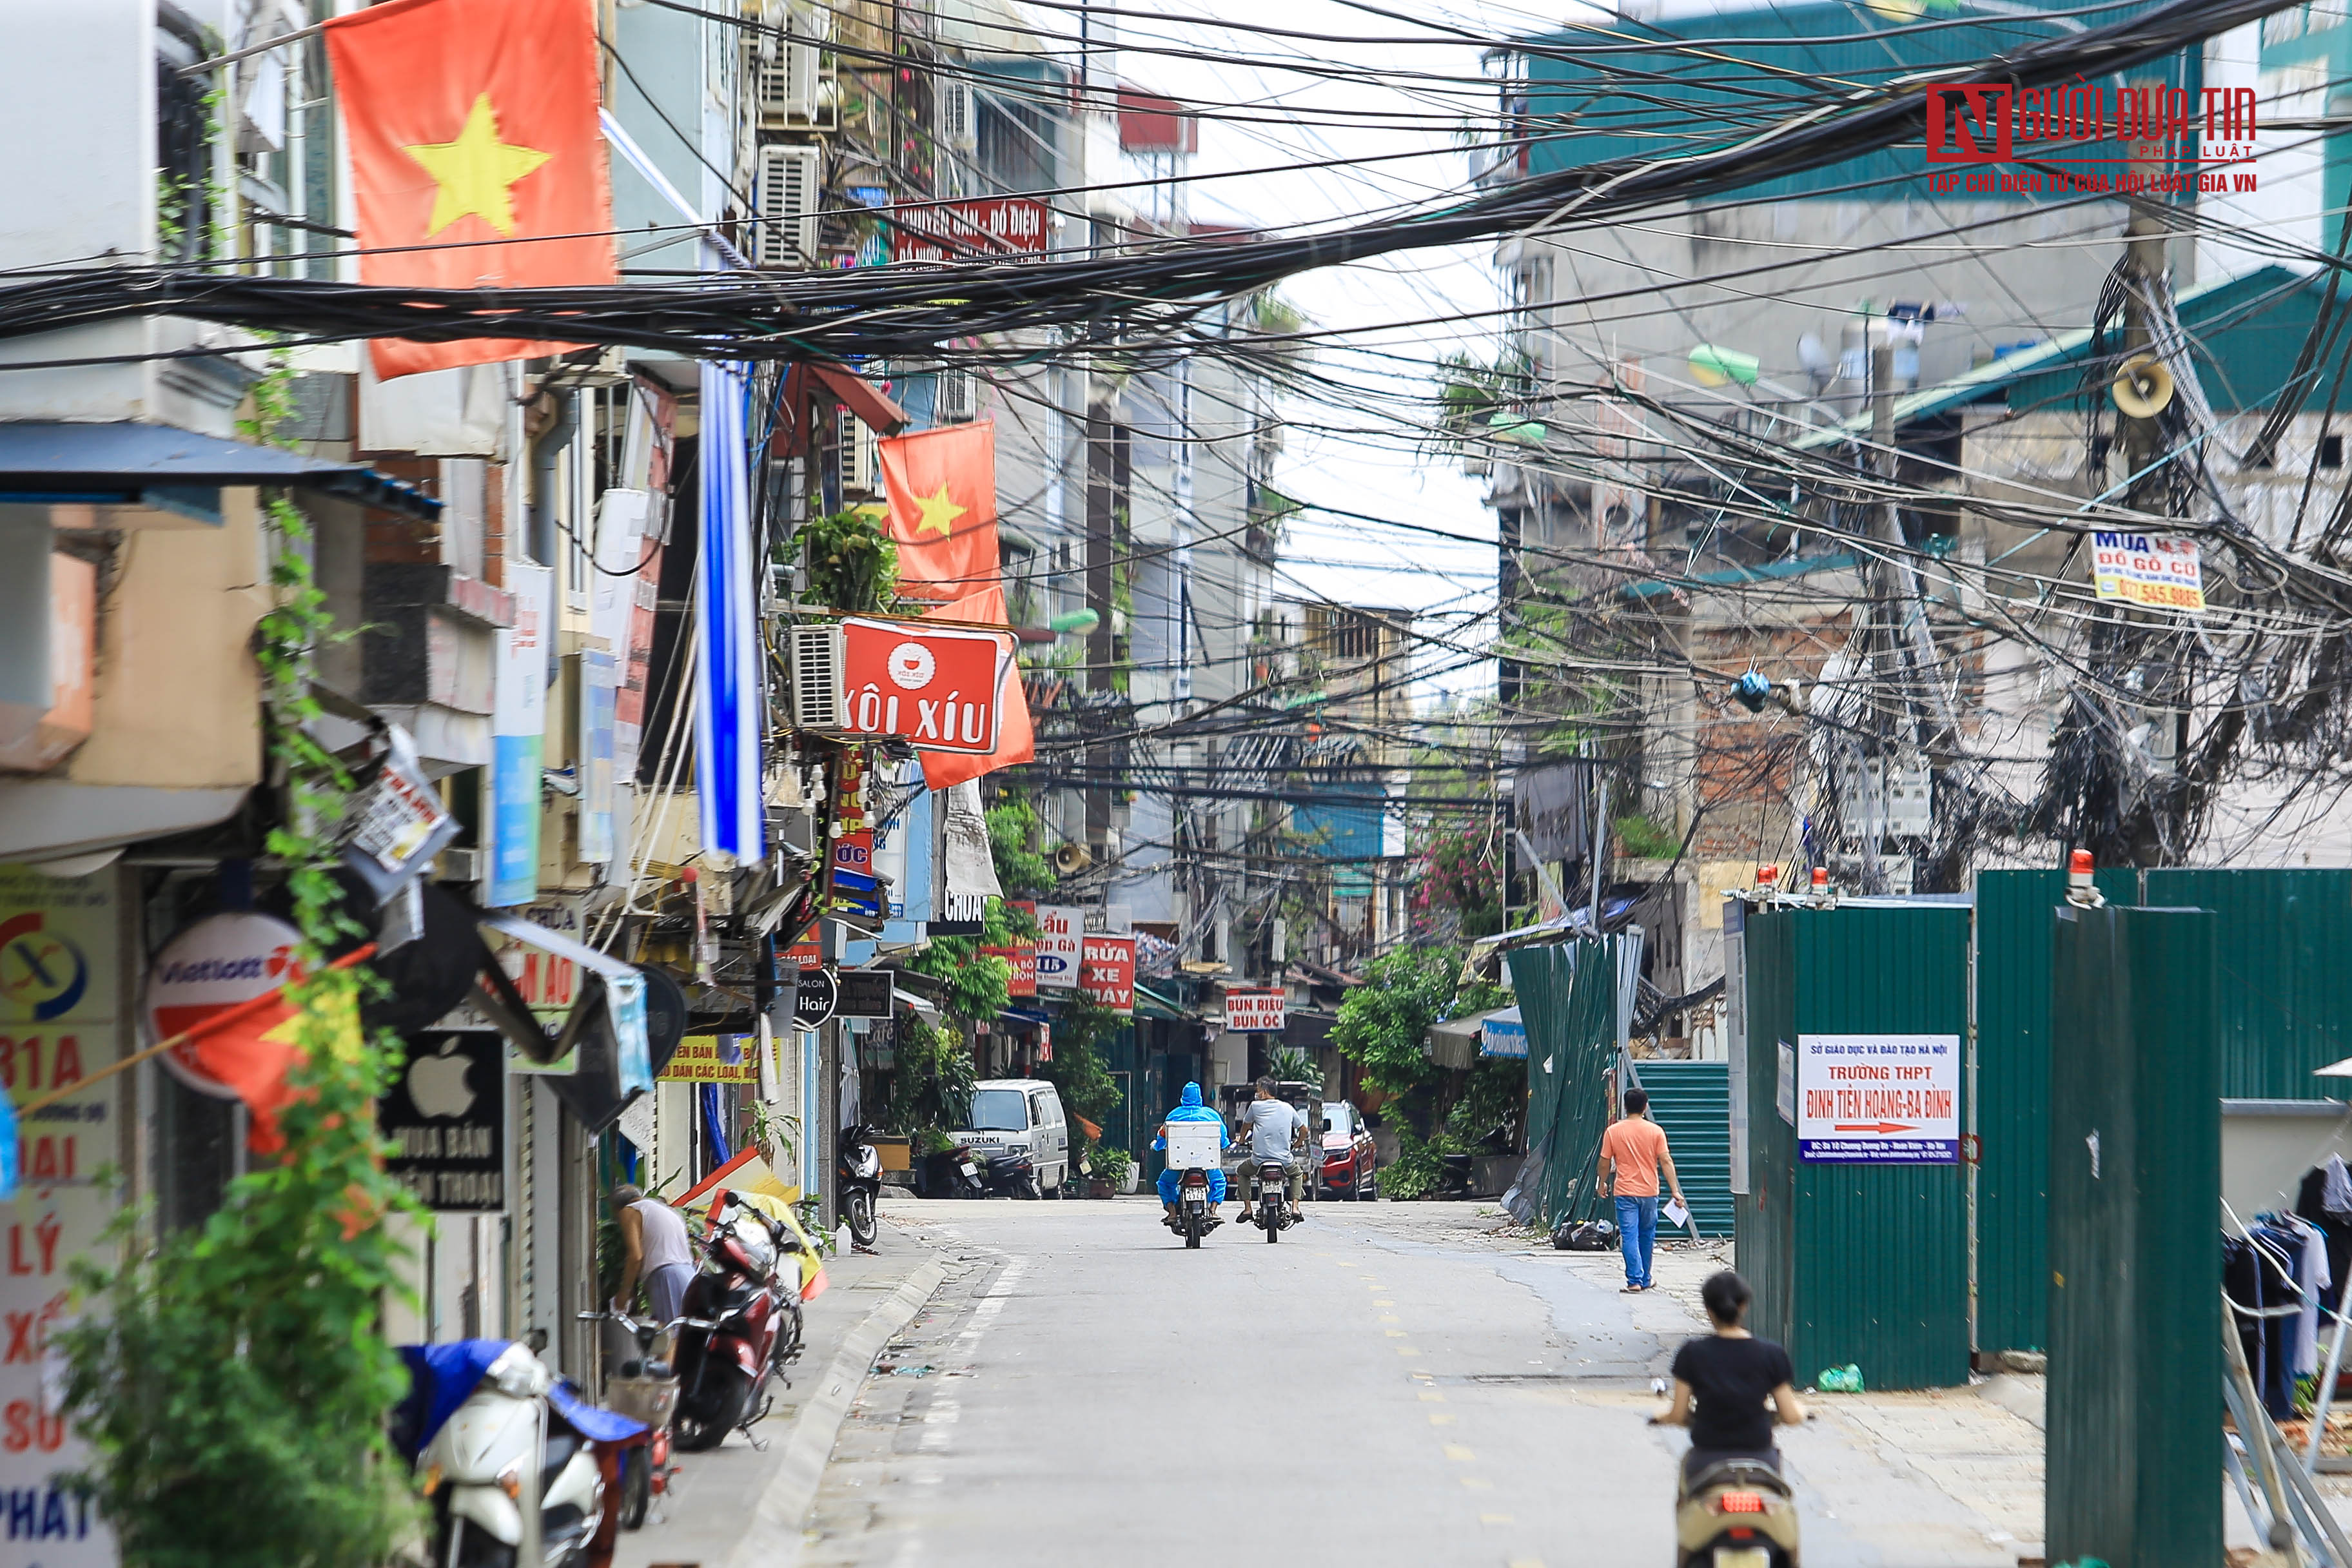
[476,158]
[1016,739]
[942,490]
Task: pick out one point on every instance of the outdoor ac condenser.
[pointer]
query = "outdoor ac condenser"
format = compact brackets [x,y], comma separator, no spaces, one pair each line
[790,184]
[816,679]
[952,117]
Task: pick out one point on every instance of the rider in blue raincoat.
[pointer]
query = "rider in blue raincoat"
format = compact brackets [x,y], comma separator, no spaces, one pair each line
[1192,1109]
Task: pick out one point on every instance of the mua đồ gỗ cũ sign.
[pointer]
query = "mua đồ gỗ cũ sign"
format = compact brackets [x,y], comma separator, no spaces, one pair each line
[2150,570]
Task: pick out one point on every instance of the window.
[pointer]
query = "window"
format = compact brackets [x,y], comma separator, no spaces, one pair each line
[2331,451]
[1000,1110]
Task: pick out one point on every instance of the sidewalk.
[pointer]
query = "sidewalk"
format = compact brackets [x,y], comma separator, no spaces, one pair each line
[742,1505]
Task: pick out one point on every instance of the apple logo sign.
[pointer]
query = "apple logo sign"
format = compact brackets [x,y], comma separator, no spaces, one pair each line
[436,1085]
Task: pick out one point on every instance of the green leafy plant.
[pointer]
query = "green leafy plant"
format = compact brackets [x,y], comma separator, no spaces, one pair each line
[1112,1165]
[852,566]
[233,1380]
[1013,833]
[930,1084]
[1643,838]
[1419,1163]
[1293,1067]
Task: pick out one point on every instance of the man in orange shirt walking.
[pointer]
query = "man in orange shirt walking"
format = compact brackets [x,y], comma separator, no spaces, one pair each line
[1632,1153]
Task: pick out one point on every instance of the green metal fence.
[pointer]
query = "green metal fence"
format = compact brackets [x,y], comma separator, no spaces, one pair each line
[2284,987]
[1692,1100]
[1568,997]
[1861,1264]
[2134,1439]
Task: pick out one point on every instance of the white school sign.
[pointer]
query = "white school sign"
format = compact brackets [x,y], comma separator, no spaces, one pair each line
[1878,1099]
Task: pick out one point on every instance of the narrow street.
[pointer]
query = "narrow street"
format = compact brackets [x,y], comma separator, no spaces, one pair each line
[1388,1384]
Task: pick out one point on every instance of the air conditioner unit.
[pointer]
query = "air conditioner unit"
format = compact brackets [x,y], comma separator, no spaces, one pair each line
[860,456]
[790,187]
[789,84]
[953,117]
[959,396]
[816,659]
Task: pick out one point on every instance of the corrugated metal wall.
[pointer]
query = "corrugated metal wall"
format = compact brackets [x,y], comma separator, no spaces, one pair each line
[2135,1317]
[1568,1000]
[2284,984]
[2013,1104]
[1862,1264]
[1692,1102]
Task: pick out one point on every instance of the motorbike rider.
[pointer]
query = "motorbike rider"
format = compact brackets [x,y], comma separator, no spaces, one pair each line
[1190,1109]
[1730,1386]
[1275,1129]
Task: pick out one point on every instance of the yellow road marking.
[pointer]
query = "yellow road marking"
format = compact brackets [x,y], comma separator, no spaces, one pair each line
[1431,1396]
[1497,1518]
[1437,1419]
[1394,1333]
[1388,1317]
[1478,1483]
[1384,1303]
[1527,1563]
[1406,1350]
[1456,1451]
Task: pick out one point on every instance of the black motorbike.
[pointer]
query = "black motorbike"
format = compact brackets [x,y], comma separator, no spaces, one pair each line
[857,1166]
[1270,1193]
[953,1173]
[1012,1174]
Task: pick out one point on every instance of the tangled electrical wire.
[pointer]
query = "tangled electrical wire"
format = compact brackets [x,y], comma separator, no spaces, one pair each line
[889,311]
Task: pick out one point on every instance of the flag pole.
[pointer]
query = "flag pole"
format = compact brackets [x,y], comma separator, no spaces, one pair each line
[243,1010]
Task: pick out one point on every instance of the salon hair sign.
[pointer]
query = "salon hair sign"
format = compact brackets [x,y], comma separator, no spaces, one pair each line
[938,688]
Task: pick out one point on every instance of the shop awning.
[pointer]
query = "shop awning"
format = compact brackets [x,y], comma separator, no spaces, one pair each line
[55,463]
[1151,1004]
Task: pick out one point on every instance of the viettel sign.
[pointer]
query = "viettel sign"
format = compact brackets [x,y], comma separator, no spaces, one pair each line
[930,685]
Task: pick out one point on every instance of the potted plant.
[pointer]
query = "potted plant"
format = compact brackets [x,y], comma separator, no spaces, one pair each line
[1113,1173]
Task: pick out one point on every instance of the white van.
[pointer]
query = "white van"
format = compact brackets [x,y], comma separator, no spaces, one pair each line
[1010,1113]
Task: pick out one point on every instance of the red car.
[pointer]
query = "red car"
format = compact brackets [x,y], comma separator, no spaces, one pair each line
[1347,1153]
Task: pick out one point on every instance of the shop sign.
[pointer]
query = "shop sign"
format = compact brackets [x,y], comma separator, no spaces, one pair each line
[1022,959]
[862,994]
[446,1112]
[1258,1012]
[1106,971]
[2147,569]
[517,738]
[1878,1099]
[1061,928]
[980,229]
[934,687]
[714,1058]
[813,997]
[60,1021]
[216,964]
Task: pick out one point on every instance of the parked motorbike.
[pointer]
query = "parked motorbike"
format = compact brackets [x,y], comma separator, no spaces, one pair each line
[1192,1219]
[952,1174]
[505,1455]
[1012,1175]
[1736,1513]
[1270,1196]
[857,1166]
[643,1386]
[742,1325]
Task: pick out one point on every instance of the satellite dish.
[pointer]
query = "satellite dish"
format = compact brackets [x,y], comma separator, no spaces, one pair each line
[2142,388]
[1816,356]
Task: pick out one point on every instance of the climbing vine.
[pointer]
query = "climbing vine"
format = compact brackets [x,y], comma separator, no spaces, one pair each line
[233,1380]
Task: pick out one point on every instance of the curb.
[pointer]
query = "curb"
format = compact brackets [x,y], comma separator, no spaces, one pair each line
[773,1536]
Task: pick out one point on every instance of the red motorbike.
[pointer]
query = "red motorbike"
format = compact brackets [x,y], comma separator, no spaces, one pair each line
[741,1326]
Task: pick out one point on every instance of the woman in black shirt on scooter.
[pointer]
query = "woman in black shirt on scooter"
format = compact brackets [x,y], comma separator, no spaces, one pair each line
[1729,1386]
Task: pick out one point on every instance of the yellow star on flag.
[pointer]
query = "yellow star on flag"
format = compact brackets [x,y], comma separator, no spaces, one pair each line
[476,173]
[938,513]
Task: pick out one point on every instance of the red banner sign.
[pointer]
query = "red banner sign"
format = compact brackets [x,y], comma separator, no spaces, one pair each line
[1106,971]
[956,231]
[935,686]
[1254,1012]
[1022,957]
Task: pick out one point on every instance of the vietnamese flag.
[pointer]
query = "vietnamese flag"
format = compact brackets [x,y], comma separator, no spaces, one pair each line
[1016,737]
[942,490]
[475,160]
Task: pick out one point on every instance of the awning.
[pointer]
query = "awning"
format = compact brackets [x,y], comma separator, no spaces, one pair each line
[45,462]
[1151,1004]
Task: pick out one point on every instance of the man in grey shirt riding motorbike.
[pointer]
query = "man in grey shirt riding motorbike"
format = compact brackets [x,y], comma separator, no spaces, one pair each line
[1275,1129]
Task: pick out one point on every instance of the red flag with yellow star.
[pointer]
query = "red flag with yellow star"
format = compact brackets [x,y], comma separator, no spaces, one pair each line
[943,489]
[1016,737]
[476,158]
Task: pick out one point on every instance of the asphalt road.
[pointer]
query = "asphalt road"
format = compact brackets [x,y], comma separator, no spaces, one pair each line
[1385,1385]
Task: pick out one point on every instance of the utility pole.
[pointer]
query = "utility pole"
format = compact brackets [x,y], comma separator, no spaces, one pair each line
[2149,492]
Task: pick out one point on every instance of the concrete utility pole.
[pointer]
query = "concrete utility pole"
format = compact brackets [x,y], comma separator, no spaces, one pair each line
[2149,492]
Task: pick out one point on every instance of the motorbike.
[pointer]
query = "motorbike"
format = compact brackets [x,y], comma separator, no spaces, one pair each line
[1736,1513]
[1012,1174]
[1270,1196]
[505,1455]
[1192,1219]
[952,1174]
[857,1165]
[741,1326]
[643,1386]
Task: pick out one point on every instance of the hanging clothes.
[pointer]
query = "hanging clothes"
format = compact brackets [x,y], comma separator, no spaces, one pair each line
[2242,1283]
[2278,1249]
[2319,1201]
